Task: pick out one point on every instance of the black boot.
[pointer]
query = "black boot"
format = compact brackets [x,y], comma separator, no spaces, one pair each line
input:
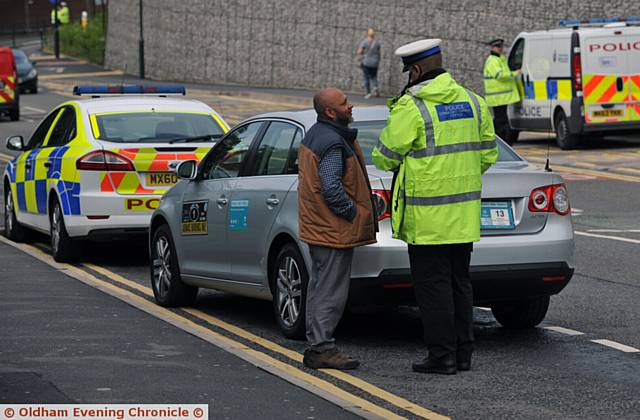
[445,365]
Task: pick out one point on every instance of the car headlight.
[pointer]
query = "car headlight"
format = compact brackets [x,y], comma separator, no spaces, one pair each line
[33,73]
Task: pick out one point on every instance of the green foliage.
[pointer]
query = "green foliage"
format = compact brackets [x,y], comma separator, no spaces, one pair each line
[87,44]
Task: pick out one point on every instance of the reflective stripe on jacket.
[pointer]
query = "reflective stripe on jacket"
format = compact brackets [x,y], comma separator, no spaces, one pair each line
[439,137]
[500,87]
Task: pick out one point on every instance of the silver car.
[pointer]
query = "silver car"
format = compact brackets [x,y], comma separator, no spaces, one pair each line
[231,224]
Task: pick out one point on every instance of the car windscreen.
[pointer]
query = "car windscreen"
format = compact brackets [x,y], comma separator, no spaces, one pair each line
[156,127]
[369,133]
[21,57]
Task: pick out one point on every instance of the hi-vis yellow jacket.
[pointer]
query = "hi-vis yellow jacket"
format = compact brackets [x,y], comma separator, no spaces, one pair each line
[499,82]
[440,138]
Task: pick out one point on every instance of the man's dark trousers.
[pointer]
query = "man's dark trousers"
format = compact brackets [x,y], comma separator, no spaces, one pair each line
[501,121]
[442,285]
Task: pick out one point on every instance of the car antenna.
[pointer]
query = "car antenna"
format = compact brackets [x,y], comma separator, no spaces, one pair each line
[547,165]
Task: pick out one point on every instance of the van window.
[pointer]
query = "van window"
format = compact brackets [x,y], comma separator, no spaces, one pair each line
[516,54]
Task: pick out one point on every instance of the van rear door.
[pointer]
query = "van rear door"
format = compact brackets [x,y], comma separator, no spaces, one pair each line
[632,36]
[8,79]
[605,69]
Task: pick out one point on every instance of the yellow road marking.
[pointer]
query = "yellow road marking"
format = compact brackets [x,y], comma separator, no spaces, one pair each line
[293,355]
[632,170]
[5,158]
[587,164]
[80,75]
[290,373]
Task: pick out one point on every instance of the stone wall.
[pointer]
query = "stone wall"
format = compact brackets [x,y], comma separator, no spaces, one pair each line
[312,43]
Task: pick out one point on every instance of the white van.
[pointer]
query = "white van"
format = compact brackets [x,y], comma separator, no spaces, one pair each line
[580,79]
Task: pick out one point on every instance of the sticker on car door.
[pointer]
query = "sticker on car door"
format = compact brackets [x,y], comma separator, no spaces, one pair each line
[238,215]
[194,218]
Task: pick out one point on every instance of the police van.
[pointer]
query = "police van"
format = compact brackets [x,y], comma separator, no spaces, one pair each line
[581,79]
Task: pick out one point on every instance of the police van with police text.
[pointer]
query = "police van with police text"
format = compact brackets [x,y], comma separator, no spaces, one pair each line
[581,79]
[98,167]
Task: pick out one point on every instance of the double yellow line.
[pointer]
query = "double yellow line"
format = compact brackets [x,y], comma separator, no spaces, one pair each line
[309,382]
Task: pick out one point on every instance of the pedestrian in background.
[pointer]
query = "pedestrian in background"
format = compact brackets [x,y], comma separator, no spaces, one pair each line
[440,139]
[335,215]
[500,89]
[369,57]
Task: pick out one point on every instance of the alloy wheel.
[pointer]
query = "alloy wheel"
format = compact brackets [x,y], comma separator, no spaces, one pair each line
[56,227]
[289,285]
[162,266]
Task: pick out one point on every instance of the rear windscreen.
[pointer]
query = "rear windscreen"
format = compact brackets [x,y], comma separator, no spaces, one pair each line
[369,133]
[155,127]
[6,63]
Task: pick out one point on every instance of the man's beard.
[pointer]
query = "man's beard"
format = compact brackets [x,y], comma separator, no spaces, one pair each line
[344,119]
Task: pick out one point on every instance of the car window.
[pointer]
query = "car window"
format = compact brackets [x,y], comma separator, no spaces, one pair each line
[156,127]
[65,128]
[39,135]
[369,133]
[515,56]
[292,166]
[272,155]
[227,157]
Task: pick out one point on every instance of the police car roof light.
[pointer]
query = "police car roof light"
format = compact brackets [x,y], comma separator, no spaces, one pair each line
[598,21]
[102,90]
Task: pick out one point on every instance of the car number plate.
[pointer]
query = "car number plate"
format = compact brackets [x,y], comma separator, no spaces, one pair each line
[605,113]
[497,215]
[161,179]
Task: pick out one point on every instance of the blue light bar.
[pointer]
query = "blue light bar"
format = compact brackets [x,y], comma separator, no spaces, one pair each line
[598,21]
[99,90]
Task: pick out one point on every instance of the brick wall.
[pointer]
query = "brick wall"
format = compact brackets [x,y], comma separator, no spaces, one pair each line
[312,43]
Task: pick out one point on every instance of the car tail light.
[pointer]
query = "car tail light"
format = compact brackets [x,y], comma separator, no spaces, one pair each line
[550,199]
[102,160]
[382,200]
[577,72]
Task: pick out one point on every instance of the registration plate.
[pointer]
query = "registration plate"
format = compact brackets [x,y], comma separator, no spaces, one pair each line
[606,113]
[161,179]
[497,215]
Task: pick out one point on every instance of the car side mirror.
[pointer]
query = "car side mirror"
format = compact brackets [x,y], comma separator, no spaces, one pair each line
[187,169]
[15,143]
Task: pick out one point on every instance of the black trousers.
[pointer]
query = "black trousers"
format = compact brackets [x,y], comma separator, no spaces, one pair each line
[442,285]
[501,121]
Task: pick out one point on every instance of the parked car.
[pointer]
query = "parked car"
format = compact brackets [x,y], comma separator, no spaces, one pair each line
[231,225]
[9,93]
[27,73]
[96,168]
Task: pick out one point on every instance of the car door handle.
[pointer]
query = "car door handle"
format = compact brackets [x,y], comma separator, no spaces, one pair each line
[27,165]
[47,164]
[273,201]
[222,201]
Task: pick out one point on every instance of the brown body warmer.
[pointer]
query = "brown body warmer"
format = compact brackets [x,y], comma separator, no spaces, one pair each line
[317,223]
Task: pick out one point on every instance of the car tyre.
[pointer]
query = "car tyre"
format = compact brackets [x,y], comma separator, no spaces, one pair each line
[14,114]
[564,138]
[63,247]
[13,230]
[168,288]
[521,314]
[290,279]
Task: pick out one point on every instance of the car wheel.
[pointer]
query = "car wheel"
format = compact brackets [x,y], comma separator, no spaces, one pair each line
[14,114]
[168,288]
[564,138]
[12,228]
[521,314]
[290,280]
[63,247]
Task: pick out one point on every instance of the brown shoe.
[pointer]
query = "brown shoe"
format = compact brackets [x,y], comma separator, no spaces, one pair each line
[331,359]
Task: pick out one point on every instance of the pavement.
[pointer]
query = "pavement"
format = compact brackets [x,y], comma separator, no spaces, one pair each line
[581,362]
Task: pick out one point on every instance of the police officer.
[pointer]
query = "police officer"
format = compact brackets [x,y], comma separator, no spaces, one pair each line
[500,89]
[439,139]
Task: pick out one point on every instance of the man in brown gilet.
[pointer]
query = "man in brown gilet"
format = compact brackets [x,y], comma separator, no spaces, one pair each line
[335,214]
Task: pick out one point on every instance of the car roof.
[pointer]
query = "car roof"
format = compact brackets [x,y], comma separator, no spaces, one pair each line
[308,117]
[134,103]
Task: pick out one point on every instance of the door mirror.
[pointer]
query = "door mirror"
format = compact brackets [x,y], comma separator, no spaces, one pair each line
[15,143]
[187,169]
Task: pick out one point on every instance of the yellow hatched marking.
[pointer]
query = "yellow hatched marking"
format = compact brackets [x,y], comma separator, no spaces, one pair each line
[80,75]
[295,356]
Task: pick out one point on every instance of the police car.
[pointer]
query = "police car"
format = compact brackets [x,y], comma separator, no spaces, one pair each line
[98,167]
[581,79]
